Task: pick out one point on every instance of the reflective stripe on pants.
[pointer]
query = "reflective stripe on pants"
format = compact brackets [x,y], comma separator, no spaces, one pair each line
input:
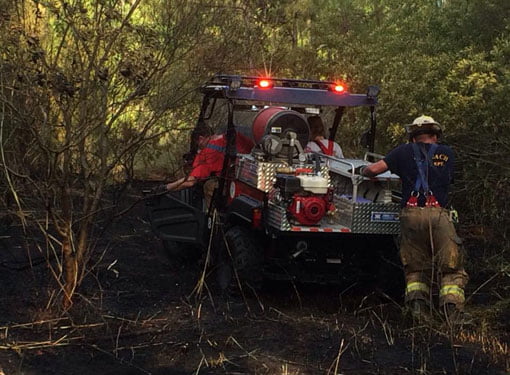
[417,286]
[453,292]
[417,290]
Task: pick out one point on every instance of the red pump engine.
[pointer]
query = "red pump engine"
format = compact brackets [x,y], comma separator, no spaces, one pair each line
[308,210]
[307,196]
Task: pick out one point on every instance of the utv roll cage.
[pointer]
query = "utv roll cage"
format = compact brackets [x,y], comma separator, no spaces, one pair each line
[280,91]
[289,91]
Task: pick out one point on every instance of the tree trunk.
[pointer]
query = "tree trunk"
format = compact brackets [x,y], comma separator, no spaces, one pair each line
[70,270]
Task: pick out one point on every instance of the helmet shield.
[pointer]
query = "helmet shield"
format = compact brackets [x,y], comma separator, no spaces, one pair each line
[423,125]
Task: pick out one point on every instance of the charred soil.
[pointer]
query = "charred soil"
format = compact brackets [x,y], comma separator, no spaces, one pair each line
[137,314]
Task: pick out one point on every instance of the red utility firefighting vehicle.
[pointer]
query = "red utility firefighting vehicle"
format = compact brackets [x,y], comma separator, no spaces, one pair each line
[279,212]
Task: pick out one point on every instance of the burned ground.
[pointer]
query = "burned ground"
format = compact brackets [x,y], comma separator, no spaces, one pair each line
[136,314]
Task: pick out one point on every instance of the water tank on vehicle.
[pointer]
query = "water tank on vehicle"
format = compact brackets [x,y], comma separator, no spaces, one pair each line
[279,122]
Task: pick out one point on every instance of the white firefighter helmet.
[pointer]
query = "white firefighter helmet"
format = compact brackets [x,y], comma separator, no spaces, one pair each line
[423,125]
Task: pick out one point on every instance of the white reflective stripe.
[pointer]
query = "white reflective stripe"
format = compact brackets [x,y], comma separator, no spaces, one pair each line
[316,229]
[451,289]
[417,286]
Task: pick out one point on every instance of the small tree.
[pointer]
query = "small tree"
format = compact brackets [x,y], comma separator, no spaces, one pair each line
[85,84]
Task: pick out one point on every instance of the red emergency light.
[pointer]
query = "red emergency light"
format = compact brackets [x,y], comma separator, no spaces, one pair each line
[264,83]
[338,88]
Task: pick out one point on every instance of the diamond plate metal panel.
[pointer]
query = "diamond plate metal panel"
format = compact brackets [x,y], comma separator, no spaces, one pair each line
[277,217]
[370,218]
[259,174]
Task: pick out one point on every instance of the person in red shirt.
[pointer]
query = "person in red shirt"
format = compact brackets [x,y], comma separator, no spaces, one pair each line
[208,161]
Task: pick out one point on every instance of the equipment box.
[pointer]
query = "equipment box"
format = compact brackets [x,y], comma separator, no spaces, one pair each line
[368,217]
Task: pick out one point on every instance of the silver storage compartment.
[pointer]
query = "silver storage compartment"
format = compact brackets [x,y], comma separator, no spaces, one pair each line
[259,174]
[262,174]
[368,217]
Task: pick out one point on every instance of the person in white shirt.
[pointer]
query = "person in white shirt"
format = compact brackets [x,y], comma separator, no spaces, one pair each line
[318,142]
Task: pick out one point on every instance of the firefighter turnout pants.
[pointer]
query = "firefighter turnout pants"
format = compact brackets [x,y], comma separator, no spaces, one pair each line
[430,247]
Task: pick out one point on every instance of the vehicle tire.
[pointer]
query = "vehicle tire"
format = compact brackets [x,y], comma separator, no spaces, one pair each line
[240,259]
[178,253]
[390,273]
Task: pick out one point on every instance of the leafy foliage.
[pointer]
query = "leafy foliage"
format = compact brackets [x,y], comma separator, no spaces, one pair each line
[90,88]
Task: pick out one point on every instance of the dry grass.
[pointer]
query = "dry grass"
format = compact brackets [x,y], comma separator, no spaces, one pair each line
[255,334]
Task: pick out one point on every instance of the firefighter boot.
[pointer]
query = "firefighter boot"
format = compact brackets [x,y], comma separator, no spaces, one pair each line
[419,310]
[455,316]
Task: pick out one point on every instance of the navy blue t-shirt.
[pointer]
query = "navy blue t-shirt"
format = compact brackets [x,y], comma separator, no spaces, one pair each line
[401,161]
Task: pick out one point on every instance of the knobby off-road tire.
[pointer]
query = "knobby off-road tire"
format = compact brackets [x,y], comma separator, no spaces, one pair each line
[177,253]
[390,273]
[240,261]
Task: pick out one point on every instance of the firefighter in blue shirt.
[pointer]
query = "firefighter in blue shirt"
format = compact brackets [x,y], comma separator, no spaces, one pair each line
[429,243]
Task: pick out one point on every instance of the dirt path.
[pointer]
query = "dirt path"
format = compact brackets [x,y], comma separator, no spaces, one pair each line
[138,315]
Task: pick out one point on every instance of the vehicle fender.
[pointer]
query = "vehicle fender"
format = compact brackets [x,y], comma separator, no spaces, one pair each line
[241,209]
